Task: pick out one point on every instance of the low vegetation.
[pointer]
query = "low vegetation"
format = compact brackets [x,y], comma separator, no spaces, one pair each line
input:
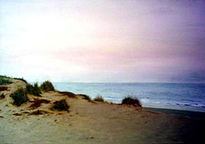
[47,86]
[21,79]
[3,76]
[4,81]
[131,101]
[99,99]
[19,97]
[33,89]
[60,105]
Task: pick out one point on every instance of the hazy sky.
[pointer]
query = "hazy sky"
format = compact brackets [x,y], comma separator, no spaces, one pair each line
[103,41]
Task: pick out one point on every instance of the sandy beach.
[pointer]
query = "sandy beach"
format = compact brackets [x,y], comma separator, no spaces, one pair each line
[91,122]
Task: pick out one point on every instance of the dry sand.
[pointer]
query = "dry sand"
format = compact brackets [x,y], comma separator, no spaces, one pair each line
[91,122]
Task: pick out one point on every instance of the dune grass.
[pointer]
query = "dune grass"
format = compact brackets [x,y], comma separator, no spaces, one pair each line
[131,101]
[99,99]
[60,105]
[33,89]
[21,79]
[4,80]
[19,97]
[47,86]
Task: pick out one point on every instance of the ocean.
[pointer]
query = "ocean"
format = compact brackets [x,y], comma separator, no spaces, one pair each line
[180,96]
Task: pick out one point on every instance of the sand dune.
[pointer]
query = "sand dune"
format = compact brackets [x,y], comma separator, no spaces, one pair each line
[90,122]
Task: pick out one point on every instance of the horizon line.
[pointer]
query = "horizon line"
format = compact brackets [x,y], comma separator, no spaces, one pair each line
[122,82]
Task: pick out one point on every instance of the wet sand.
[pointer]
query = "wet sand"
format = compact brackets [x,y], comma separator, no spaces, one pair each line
[188,114]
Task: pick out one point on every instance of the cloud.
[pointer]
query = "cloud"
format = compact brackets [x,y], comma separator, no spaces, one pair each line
[103,41]
[161,11]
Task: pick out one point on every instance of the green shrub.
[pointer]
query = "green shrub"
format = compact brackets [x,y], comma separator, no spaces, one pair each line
[3,76]
[47,86]
[33,89]
[131,101]
[4,81]
[19,97]
[6,78]
[99,99]
[60,105]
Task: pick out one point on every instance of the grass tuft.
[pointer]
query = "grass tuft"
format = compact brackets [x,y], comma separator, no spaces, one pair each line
[60,105]
[6,77]
[4,81]
[99,99]
[33,89]
[47,86]
[3,76]
[131,101]
[19,97]
[21,79]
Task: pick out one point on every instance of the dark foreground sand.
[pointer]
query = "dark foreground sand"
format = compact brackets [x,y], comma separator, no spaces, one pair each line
[91,122]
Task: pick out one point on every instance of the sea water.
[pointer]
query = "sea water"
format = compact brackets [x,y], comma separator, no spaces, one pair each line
[182,96]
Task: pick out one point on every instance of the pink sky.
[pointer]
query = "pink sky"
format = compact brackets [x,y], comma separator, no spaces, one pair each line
[103,41]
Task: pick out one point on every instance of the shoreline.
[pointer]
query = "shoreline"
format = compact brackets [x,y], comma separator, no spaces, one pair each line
[180,97]
[196,115]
